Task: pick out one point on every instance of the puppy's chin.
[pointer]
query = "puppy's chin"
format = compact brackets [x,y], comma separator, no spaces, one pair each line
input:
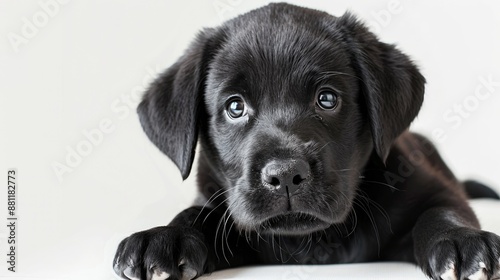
[293,224]
[310,211]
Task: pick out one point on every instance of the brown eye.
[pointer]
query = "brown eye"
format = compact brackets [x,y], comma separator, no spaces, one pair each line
[235,108]
[327,99]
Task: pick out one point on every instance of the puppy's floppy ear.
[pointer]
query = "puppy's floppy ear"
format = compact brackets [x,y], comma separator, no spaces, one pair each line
[170,110]
[393,88]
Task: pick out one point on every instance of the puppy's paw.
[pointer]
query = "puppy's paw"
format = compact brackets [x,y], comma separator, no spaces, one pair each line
[162,253]
[464,254]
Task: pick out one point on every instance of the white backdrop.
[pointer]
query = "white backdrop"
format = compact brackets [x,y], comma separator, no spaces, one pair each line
[71,73]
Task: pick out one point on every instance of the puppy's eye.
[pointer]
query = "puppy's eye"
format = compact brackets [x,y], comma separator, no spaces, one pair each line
[327,99]
[235,108]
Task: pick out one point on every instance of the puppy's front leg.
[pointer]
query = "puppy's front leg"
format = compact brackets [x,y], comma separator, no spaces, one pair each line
[449,245]
[184,249]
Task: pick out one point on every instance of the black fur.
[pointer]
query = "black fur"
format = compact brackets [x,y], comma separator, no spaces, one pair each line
[367,189]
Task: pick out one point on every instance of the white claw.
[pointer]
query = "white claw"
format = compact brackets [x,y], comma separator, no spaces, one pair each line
[480,274]
[128,273]
[449,274]
[160,275]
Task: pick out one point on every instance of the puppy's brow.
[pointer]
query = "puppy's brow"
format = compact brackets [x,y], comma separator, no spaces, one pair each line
[236,81]
[327,75]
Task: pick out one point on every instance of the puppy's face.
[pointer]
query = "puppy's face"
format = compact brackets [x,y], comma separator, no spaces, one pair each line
[289,103]
[285,120]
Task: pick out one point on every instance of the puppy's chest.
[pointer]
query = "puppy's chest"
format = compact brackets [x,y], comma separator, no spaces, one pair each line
[309,250]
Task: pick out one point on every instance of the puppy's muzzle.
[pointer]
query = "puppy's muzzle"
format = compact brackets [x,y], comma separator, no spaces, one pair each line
[285,176]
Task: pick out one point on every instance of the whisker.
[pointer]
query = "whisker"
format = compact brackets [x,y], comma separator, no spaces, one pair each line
[211,211]
[369,213]
[354,217]
[226,233]
[215,239]
[322,147]
[210,200]
[222,218]
[381,209]
[383,184]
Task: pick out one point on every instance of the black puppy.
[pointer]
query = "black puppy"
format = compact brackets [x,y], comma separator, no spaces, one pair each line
[305,157]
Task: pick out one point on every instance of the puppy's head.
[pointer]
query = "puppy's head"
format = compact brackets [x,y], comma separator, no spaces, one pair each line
[289,104]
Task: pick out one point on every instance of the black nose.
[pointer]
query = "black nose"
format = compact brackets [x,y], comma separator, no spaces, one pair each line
[285,175]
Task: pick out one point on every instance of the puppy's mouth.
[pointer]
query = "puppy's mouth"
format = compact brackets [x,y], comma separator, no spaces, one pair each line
[293,223]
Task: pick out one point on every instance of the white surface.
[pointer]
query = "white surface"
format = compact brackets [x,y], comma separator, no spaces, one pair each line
[83,64]
[378,271]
